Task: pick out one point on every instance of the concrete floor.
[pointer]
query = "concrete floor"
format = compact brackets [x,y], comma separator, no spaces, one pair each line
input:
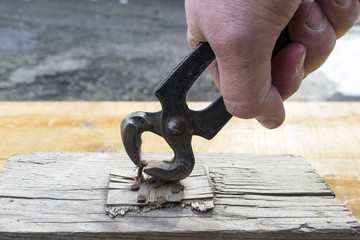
[101,50]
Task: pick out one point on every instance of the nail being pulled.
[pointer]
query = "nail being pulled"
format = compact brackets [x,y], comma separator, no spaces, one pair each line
[139,177]
[177,188]
[141,198]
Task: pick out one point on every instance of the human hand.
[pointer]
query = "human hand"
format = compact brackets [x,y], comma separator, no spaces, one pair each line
[243,33]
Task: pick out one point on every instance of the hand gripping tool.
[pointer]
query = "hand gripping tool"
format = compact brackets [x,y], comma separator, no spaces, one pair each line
[176,123]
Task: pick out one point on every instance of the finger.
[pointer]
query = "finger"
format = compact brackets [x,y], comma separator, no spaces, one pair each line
[194,22]
[310,27]
[246,83]
[272,117]
[197,37]
[288,69]
[213,69]
[193,40]
[245,77]
[342,14]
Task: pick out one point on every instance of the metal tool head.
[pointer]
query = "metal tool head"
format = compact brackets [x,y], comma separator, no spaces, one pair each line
[176,123]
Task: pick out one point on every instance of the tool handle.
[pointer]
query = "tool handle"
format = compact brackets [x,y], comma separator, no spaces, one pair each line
[208,122]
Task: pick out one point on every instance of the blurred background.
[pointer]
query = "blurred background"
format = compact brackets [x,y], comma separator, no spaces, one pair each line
[121,49]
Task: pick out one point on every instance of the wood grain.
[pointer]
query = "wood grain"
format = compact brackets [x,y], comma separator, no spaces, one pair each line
[62,196]
[326,134]
[195,191]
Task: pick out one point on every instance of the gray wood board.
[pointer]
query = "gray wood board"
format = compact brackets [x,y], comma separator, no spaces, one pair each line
[195,191]
[63,196]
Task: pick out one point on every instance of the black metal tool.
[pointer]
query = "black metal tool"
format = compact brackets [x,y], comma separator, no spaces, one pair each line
[176,123]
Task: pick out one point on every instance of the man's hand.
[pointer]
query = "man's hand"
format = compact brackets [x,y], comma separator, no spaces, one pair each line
[243,33]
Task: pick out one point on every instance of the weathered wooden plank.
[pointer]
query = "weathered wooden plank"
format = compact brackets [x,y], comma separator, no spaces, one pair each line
[63,196]
[2,163]
[195,191]
[327,134]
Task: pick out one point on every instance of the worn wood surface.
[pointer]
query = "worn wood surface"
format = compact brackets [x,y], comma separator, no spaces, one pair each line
[62,196]
[196,191]
[327,134]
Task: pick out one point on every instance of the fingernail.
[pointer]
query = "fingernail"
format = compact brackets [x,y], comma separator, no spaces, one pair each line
[315,19]
[343,3]
[270,123]
[300,63]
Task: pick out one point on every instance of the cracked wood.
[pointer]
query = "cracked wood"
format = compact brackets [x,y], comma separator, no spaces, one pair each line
[63,196]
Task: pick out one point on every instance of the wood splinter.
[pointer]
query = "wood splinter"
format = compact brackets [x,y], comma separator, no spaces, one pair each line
[149,194]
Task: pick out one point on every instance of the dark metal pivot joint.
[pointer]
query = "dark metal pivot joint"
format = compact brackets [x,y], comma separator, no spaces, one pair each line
[176,126]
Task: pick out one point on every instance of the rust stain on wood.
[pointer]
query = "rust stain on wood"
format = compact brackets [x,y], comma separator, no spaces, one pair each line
[195,191]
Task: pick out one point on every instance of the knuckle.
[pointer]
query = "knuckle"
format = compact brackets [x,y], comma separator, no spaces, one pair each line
[342,26]
[342,16]
[231,37]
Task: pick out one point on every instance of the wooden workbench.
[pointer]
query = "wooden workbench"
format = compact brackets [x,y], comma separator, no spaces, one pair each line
[326,134]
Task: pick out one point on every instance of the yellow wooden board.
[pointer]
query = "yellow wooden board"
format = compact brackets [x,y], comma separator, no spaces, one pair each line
[327,134]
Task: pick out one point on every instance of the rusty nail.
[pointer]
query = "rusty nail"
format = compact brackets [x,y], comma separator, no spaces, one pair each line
[141,198]
[175,190]
[134,187]
[143,163]
[139,174]
[155,184]
[161,200]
